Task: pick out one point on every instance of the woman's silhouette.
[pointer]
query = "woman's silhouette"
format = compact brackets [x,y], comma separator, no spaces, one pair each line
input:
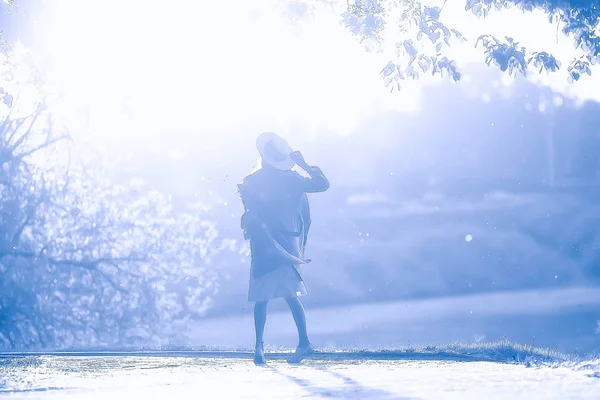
[276,221]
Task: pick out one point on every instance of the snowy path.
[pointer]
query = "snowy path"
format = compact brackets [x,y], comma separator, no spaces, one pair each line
[117,378]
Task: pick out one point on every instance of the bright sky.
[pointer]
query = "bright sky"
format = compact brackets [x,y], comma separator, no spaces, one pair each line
[134,69]
[208,67]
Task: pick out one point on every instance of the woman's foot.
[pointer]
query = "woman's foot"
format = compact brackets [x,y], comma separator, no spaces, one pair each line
[302,351]
[259,354]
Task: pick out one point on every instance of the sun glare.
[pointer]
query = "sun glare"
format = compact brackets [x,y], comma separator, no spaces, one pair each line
[207,70]
[212,71]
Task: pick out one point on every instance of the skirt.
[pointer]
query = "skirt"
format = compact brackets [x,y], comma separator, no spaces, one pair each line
[283,282]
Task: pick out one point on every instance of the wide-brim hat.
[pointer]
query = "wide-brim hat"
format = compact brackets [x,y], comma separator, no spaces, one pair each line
[274,150]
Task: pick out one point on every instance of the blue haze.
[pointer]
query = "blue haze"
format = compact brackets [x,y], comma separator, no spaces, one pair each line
[467,197]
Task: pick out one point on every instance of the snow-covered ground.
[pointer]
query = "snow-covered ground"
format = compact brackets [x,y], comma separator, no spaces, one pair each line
[561,318]
[135,377]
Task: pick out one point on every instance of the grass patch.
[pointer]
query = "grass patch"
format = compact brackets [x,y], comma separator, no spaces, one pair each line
[497,351]
[505,350]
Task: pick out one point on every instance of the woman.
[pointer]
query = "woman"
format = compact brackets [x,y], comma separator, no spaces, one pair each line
[276,221]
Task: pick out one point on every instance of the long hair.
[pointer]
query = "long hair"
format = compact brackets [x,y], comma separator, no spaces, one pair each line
[246,216]
[257,166]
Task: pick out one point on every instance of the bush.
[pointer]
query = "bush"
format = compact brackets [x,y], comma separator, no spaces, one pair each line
[84,262]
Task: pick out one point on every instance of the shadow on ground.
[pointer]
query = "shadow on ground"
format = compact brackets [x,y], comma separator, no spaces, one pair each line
[351,389]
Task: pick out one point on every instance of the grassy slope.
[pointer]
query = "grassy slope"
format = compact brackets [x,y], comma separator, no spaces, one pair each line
[418,250]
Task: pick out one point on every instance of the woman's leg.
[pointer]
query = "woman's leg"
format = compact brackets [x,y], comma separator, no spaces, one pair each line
[300,318]
[260,319]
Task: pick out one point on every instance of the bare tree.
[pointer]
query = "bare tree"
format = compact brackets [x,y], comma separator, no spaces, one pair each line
[86,263]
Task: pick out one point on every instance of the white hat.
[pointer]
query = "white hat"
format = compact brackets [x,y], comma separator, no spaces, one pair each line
[274,150]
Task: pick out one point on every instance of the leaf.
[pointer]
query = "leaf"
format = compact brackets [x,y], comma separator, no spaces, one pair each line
[427,61]
[558,64]
[459,36]
[433,12]
[388,69]
[592,60]
[434,36]
[483,39]
[7,99]
[575,75]
[444,28]
[410,48]
[470,4]
[438,47]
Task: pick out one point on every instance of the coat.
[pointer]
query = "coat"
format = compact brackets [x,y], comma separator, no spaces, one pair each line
[276,216]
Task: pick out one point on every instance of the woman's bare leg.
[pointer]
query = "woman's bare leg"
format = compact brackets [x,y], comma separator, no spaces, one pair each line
[260,319]
[297,309]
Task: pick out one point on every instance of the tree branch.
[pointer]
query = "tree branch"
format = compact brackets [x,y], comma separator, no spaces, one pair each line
[30,214]
[47,143]
[7,125]
[24,136]
[90,265]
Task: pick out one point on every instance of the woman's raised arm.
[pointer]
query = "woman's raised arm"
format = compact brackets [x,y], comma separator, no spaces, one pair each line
[317,181]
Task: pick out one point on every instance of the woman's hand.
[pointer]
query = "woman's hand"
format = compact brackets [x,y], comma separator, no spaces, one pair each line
[298,158]
[317,181]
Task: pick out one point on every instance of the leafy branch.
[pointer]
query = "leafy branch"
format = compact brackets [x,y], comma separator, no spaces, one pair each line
[579,20]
